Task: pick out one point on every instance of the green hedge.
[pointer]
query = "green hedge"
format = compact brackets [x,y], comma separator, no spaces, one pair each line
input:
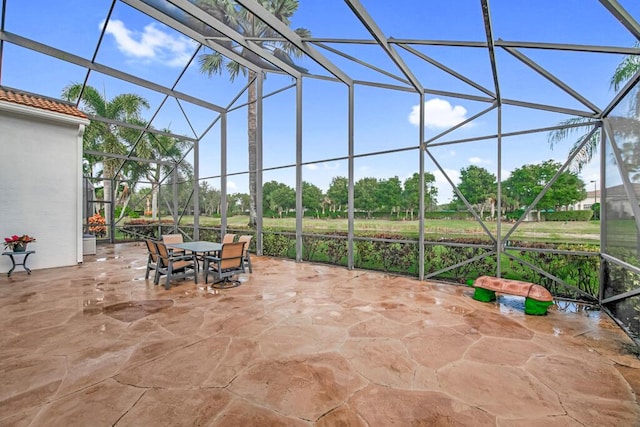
[567,216]
[580,272]
[448,215]
[143,227]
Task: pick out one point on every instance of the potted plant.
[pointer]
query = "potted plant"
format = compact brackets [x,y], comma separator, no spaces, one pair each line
[18,243]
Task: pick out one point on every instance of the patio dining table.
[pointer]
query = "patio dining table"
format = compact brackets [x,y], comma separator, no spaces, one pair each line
[198,247]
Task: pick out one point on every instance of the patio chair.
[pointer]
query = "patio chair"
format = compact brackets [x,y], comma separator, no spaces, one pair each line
[246,257]
[175,266]
[168,239]
[152,259]
[225,266]
[228,238]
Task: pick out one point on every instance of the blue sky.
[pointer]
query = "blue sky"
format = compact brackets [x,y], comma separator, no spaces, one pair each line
[384,119]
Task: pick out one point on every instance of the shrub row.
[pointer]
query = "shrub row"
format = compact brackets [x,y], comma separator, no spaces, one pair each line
[578,271]
[567,216]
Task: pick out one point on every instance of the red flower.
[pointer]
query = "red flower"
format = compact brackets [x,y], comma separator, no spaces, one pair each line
[11,242]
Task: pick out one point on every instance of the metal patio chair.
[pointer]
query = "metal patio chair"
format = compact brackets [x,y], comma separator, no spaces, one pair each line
[175,266]
[152,259]
[223,267]
[246,257]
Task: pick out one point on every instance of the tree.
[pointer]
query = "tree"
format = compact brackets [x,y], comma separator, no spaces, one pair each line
[364,195]
[629,66]
[526,182]
[389,194]
[311,197]
[478,186]
[209,199]
[267,189]
[282,199]
[105,137]
[237,18]
[161,148]
[338,193]
[411,192]
[278,197]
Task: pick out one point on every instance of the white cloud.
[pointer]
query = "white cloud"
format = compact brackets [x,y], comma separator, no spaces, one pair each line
[438,114]
[231,187]
[445,191]
[478,160]
[152,44]
[332,166]
[312,166]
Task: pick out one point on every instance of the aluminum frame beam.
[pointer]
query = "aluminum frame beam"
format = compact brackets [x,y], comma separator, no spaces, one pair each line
[553,79]
[258,10]
[112,72]
[188,31]
[366,20]
[203,16]
[623,16]
[486,14]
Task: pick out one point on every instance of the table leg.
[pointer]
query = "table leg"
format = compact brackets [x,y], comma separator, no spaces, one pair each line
[13,267]
[24,263]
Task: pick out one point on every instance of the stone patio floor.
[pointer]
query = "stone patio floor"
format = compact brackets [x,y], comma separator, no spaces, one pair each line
[297,344]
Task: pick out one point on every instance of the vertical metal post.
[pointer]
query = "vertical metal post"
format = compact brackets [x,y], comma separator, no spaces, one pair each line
[499,242]
[112,211]
[350,206]
[603,214]
[299,170]
[196,190]
[174,186]
[421,192]
[259,165]
[223,174]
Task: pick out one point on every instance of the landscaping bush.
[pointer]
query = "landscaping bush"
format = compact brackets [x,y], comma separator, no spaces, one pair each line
[144,227]
[567,216]
[447,215]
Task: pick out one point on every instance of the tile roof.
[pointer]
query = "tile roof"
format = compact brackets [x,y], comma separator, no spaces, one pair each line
[23,98]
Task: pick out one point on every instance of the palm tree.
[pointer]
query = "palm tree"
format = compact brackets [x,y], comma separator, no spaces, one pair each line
[624,71]
[159,148]
[249,26]
[101,136]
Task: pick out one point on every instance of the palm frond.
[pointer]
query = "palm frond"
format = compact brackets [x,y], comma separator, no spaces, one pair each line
[560,135]
[211,63]
[625,70]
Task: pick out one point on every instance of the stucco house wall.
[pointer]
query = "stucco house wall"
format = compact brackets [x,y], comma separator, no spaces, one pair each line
[41,183]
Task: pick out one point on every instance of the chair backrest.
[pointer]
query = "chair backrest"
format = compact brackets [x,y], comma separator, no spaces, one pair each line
[231,255]
[172,238]
[247,241]
[228,238]
[152,248]
[163,254]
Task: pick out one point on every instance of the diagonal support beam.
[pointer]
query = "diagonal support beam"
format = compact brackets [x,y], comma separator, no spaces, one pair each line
[203,16]
[553,79]
[623,16]
[448,70]
[383,42]
[490,46]
[77,60]
[258,10]
[188,31]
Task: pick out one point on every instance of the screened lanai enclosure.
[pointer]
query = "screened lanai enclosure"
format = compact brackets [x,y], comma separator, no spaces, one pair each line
[442,140]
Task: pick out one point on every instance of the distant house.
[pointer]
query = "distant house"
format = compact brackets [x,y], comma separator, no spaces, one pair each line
[618,205]
[592,197]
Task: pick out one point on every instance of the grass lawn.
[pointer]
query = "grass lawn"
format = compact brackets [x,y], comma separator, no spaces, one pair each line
[551,231]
